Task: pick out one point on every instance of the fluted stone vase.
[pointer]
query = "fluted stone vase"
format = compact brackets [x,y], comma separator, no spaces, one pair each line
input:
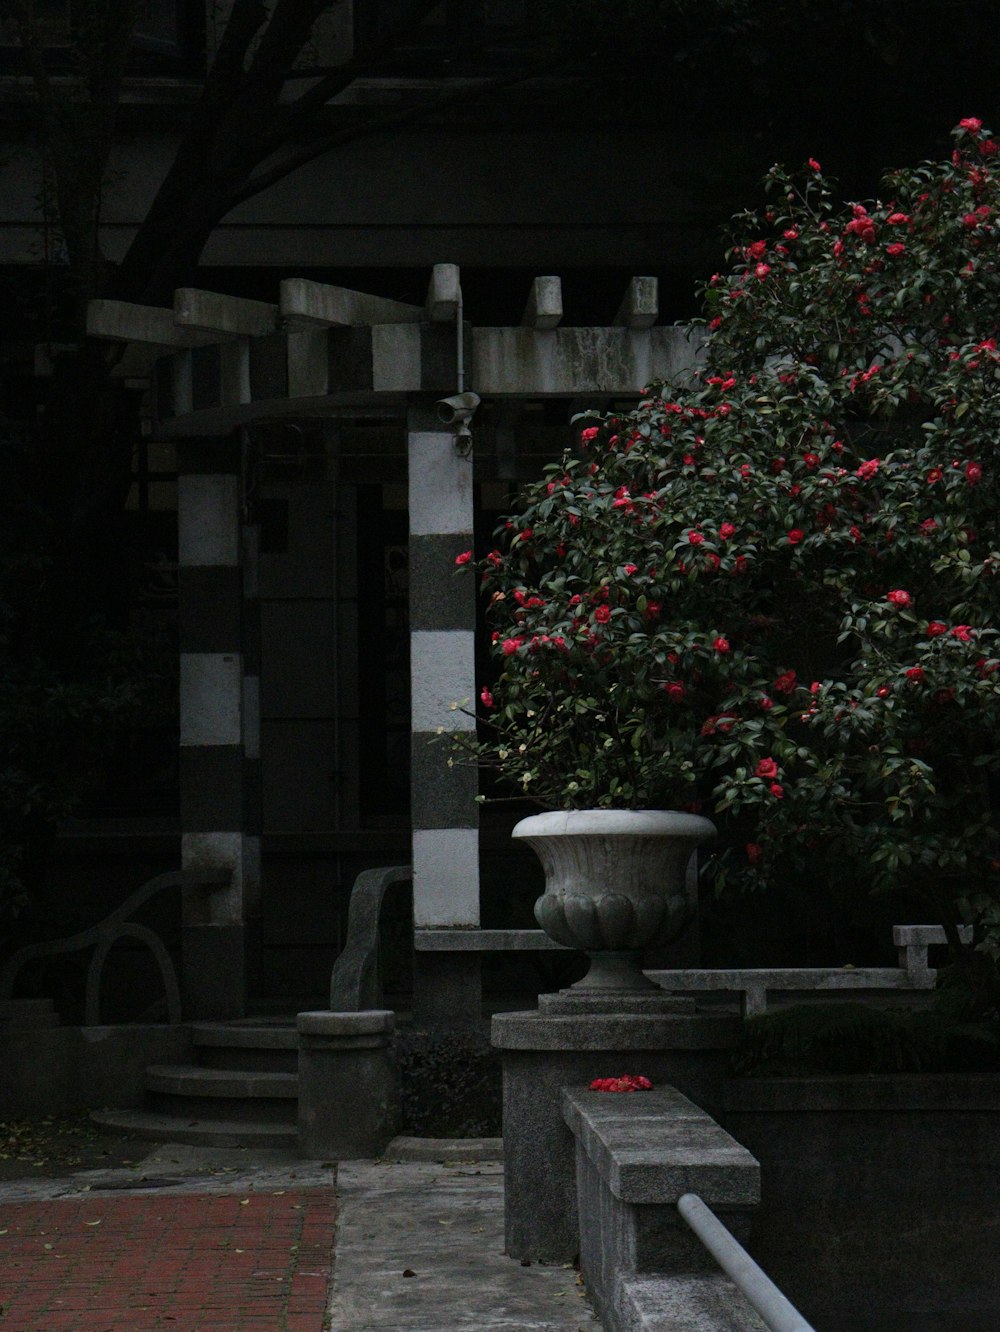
[616,883]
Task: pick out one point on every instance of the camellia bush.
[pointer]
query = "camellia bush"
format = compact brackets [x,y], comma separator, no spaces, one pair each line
[770,593]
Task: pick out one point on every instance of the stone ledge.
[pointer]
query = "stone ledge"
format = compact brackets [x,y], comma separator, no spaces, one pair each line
[865,1092]
[686,1304]
[654,1146]
[366,1022]
[590,1031]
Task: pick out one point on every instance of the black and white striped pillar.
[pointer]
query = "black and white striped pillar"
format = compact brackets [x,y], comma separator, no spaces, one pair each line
[445,816]
[218,709]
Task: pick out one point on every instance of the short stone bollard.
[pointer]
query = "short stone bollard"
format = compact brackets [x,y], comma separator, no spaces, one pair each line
[349,1104]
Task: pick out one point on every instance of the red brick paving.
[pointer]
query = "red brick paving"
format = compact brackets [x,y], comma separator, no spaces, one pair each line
[191,1262]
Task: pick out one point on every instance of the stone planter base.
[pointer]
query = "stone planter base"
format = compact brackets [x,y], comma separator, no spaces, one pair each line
[543,1053]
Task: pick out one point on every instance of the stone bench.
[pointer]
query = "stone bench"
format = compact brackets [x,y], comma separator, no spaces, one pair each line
[753,984]
[637,1154]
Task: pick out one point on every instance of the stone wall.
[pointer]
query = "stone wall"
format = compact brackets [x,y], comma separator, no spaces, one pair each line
[879,1197]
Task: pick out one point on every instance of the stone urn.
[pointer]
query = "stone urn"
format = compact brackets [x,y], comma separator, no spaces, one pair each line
[616,883]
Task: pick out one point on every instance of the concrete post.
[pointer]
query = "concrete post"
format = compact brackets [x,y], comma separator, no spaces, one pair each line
[445,817]
[217,723]
[348,1084]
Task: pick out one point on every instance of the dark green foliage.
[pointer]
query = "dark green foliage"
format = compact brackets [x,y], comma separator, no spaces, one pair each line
[73,675]
[451,1085]
[861,1038]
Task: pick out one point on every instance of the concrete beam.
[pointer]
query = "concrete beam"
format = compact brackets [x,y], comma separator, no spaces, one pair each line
[224,316]
[122,321]
[444,295]
[306,304]
[575,362]
[544,308]
[640,305]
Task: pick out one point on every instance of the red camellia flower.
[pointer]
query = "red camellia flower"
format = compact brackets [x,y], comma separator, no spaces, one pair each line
[936,628]
[785,682]
[811,460]
[899,598]
[916,674]
[813,165]
[589,434]
[868,468]
[695,538]
[761,271]
[629,1082]
[973,473]
[971,124]
[486,698]
[962,632]
[795,536]
[603,614]
[754,852]
[934,476]
[630,568]
[653,609]
[675,691]
[721,644]
[464,558]
[777,790]
[727,530]
[510,645]
[895,250]
[767,767]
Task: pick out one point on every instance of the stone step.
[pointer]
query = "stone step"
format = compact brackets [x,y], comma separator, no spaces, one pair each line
[192,1091]
[256,1047]
[206,1132]
[195,1080]
[27,1015]
[248,1034]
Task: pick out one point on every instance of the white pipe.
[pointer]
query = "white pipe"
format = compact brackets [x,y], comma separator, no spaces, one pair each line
[460,342]
[778,1313]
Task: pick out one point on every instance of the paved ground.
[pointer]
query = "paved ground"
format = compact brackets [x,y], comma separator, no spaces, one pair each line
[215,1240]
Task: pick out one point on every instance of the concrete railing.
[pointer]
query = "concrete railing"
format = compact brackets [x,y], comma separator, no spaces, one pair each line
[753,984]
[116,926]
[637,1155]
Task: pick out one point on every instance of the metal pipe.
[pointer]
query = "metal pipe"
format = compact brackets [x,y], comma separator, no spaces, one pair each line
[460,342]
[778,1313]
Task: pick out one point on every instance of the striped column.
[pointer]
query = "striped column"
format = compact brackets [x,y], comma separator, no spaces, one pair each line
[445,816]
[215,701]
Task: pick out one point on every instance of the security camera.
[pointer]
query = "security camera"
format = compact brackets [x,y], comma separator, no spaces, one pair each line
[458,409]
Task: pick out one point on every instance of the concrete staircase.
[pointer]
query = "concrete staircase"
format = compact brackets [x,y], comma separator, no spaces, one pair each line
[26,1015]
[242,1092]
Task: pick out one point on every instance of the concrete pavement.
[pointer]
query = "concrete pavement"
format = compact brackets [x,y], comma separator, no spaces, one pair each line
[221,1240]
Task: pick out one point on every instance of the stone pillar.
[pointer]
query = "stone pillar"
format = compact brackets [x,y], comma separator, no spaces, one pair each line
[349,1106]
[445,816]
[216,730]
[541,1055]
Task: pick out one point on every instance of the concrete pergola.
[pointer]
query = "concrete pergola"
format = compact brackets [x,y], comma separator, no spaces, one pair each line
[219,364]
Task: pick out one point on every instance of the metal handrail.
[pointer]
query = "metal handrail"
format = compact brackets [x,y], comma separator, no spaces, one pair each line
[755,1285]
[103,936]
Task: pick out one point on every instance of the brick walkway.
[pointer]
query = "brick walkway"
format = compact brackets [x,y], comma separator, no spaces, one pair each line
[191,1262]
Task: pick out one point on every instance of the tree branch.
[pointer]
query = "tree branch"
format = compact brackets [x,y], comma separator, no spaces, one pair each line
[263,180]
